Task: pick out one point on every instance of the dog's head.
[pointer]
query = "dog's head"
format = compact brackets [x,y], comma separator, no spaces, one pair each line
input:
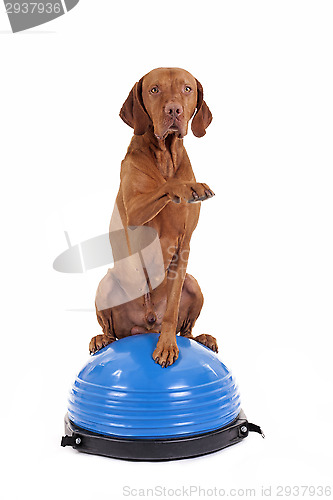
[166,99]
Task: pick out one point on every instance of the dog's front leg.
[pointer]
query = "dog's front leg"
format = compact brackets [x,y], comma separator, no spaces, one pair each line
[167,351]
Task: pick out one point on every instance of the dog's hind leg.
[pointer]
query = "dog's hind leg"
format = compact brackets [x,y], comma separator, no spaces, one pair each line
[190,307]
[104,318]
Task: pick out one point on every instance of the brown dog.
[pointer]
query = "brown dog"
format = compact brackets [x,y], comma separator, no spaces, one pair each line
[157,190]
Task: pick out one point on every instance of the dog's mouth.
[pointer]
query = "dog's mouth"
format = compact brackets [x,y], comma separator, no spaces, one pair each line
[173,128]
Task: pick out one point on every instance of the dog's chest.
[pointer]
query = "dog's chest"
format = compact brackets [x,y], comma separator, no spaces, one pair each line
[175,222]
[166,161]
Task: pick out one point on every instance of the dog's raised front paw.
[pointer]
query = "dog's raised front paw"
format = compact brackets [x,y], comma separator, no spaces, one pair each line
[99,342]
[188,191]
[166,352]
[208,341]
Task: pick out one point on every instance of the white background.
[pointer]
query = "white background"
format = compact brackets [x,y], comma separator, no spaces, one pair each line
[262,252]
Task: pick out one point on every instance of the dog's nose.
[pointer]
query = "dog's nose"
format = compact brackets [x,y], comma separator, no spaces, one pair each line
[174,109]
[151,318]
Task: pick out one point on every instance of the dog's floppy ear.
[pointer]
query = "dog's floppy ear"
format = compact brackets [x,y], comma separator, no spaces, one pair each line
[203,116]
[133,112]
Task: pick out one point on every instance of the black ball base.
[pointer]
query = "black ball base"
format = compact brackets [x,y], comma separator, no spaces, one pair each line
[157,449]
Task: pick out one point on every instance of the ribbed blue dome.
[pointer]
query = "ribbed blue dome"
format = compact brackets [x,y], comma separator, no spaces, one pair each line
[122,392]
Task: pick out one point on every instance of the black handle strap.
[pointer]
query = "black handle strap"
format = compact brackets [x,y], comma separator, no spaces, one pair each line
[255,428]
[72,440]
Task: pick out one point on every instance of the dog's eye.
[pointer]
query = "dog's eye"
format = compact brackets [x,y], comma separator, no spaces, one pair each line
[154,90]
[187,88]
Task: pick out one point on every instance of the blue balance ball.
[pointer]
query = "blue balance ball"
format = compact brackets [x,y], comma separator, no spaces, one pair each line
[122,394]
